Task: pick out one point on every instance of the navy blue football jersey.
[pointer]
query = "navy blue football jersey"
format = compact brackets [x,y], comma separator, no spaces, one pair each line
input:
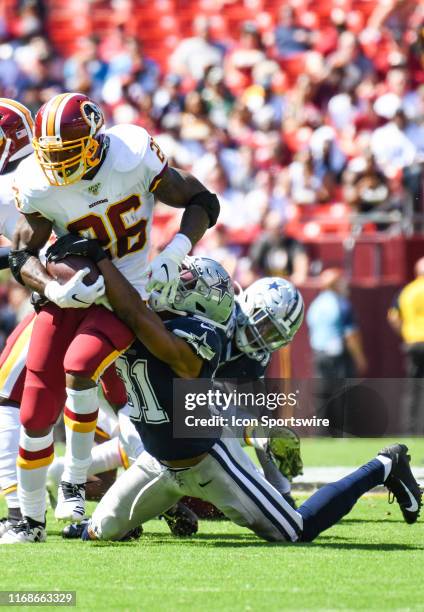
[149,384]
[235,364]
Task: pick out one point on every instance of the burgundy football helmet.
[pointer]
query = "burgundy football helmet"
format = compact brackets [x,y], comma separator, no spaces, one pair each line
[68,137]
[16,127]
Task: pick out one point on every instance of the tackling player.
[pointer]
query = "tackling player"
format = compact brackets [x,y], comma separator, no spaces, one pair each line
[88,180]
[214,469]
[268,315]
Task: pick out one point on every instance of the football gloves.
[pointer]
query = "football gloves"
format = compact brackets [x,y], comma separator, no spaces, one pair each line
[284,446]
[163,272]
[74,294]
[71,244]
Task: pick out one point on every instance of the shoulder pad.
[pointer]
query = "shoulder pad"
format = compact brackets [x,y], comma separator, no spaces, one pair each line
[128,144]
[30,180]
[202,337]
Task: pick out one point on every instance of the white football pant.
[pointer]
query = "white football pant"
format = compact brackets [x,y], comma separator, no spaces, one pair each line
[226,477]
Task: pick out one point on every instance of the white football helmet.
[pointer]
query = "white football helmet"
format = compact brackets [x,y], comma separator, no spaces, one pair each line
[271,311]
[205,290]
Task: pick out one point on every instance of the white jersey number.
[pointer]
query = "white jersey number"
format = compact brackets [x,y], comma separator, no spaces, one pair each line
[141,396]
[117,230]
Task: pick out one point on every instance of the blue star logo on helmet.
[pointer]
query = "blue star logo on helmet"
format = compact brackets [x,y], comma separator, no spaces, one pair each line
[274,285]
[222,286]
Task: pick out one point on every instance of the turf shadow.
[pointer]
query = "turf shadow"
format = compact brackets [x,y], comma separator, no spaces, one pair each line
[371,520]
[382,546]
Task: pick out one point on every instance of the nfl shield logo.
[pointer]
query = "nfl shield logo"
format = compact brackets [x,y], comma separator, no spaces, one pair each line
[94,189]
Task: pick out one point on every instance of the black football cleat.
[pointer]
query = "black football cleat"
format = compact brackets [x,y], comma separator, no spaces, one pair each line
[181,520]
[77,531]
[74,531]
[401,482]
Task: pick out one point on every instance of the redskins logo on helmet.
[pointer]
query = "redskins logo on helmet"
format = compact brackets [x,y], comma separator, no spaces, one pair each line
[92,114]
[16,127]
[68,137]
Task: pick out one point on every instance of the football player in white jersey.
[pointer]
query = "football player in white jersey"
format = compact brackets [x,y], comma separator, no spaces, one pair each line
[15,143]
[87,180]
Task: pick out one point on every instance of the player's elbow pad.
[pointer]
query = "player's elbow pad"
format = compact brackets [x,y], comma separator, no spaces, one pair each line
[210,204]
[17,259]
[4,258]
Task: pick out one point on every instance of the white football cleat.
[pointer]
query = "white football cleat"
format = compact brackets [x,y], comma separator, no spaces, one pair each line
[70,502]
[54,475]
[5,525]
[23,533]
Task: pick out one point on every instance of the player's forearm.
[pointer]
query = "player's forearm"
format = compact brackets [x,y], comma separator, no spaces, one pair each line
[34,275]
[194,223]
[147,326]
[31,234]
[130,308]
[181,189]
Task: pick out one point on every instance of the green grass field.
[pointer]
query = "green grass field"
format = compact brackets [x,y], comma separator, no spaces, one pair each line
[371,560]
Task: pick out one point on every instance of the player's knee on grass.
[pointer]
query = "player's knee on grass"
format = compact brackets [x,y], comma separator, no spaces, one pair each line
[109,525]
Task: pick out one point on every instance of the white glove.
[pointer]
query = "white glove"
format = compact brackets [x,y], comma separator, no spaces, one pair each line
[74,294]
[163,271]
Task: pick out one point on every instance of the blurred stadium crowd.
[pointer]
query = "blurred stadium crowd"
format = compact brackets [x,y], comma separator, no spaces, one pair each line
[296,114]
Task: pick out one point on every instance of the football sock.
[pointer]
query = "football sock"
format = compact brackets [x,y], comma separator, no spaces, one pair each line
[35,456]
[272,473]
[333,501]
[104,457]
[387,462]
[80,425]
[9,444]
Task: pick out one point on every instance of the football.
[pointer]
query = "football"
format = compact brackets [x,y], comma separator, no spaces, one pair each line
[63,270]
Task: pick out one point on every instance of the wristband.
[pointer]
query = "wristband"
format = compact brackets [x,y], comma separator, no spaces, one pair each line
[179,247]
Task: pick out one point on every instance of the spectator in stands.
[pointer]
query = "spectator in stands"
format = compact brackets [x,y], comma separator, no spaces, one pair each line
[196,127]
[350,60]
[305,185]
[366,188]
[194,55]
[329,159]
[406,316]
[290,37]
[246,54]
[168,99]
[336,345]
[392,149]
[217,97]
[399,147]
[85,58]
[277,254]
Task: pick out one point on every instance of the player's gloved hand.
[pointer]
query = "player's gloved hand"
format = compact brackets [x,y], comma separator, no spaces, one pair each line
[284,446]
[74,294]
[163,271]
[70,244]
